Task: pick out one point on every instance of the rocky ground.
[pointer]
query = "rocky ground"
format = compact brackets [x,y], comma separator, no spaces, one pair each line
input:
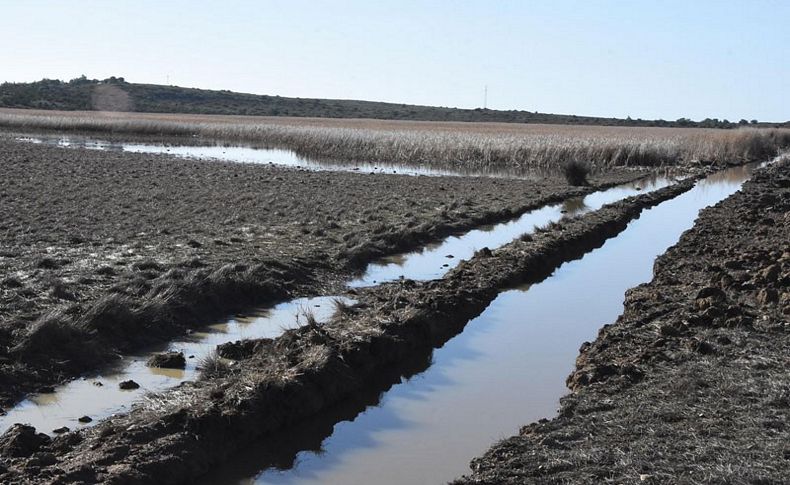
[104,252]
[271,384]
[691,384]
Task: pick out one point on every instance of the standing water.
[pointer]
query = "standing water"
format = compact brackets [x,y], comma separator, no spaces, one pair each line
[99,396]
[434,260]
[273,156]
[506,369]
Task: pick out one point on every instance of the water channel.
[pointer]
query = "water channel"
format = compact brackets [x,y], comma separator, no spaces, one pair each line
[506,369]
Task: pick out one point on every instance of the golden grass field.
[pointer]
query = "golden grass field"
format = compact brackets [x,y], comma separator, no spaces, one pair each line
[477,146]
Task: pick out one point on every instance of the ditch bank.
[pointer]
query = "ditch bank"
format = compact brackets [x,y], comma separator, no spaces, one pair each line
[98,269]
[690,384]
[180,434]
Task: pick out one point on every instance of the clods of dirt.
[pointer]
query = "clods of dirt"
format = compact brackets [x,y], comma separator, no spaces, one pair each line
[128,385]
[21,440]
[168,360]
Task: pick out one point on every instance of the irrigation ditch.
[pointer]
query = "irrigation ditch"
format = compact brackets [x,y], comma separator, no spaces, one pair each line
[181,433]
[98,396]
[163,279]
[707,338]
[329,369]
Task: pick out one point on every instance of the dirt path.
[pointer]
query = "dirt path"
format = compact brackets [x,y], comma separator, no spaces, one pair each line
[178,435]
[690,385]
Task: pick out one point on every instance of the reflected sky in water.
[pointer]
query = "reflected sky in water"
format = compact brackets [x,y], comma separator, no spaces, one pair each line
[506,369]
[434,261]
[99,396]
[275,156]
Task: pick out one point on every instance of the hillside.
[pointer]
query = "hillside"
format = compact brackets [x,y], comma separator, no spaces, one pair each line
[114,94]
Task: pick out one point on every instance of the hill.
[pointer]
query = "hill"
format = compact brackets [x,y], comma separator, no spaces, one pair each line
[115,94]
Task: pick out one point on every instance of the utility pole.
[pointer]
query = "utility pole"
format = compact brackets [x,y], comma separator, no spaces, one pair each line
[485,97]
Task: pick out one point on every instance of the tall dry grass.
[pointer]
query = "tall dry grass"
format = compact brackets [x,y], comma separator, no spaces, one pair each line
[469,146]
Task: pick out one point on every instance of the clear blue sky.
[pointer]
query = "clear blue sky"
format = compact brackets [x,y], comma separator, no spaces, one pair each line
[648,59]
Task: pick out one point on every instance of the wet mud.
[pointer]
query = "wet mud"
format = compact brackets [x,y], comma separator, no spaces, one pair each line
[690,384]
[92,267]
[180,434]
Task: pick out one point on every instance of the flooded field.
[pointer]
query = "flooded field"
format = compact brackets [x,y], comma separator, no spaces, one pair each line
[270,156]
[418,419]
[99,396]
[508,367]
[434,418]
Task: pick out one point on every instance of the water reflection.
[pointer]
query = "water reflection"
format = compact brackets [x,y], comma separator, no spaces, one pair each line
[287,449]
[505,369]
[99,396]
[574,206]
[434,261]
[83,397]
[275,156]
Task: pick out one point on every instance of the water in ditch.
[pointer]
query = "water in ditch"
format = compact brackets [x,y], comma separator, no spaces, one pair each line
[434,260]
[506,369]
[98,396]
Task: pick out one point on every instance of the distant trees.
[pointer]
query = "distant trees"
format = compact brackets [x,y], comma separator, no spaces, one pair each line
[82,80]
[715,123]
[76,95]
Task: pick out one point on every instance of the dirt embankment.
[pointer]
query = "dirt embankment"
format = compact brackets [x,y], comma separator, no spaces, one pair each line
[105,252]
[691,384]
[180,434]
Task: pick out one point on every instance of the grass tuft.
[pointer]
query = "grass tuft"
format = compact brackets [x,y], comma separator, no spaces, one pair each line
[213,366]
[342,307]
[576,172]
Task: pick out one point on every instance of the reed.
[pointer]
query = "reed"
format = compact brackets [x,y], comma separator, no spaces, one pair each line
[465,146]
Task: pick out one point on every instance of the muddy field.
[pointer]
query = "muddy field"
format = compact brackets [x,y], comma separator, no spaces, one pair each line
[176,436]
[690,385]
[103,252]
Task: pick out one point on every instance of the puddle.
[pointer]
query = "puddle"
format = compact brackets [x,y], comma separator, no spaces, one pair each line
[433,261]
[272,156]
[99,396]
[506,369]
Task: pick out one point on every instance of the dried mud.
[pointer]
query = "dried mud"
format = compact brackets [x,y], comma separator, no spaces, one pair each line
[178,435]
[690,385]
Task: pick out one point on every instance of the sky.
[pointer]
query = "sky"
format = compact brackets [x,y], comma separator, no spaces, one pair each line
[644,59]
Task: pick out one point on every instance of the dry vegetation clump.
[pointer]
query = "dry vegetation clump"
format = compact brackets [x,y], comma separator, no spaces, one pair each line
[213,366]
[342,307]
[576,172]
[464,146]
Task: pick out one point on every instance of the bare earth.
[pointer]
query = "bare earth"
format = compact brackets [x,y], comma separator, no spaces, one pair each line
[105,252]
[690,385]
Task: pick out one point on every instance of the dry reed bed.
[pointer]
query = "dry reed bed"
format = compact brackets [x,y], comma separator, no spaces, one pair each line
[468,146]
